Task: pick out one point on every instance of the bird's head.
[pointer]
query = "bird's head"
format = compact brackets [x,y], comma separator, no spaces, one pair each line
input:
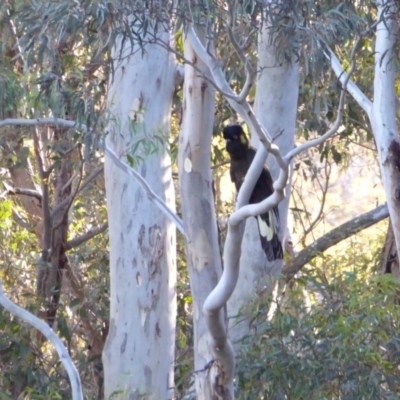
[236,140]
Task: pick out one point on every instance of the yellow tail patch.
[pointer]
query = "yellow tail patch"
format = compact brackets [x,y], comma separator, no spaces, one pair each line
[265,230]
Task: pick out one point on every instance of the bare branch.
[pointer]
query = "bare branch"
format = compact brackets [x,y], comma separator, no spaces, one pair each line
[48,171]
[86,236]
[179,74]
[345,80]
[120,164]
[250,72]
[324,189]
[41,121]
[212,63]
[350,86]
[252,210]
[79,187]
[41,326]
[21,191]
[333,237]
[216,300]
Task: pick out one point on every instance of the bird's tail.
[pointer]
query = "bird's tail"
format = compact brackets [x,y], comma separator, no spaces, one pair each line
[268,227]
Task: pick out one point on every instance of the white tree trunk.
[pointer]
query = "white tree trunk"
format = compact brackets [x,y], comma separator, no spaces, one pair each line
[383,111]
[276,109]
[139,353]
[202,247]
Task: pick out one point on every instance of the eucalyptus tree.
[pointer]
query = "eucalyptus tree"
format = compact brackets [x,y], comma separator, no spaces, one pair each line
[221,58]
[139,354]
[291,31]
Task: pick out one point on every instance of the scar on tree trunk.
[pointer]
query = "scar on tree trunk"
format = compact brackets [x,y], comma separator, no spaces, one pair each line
[394,160]
[390,260]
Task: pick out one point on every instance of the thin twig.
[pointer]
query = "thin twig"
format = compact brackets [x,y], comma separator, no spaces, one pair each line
[351,87]
[250,72]
[336,124]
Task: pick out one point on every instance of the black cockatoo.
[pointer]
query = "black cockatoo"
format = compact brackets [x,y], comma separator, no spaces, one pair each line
[242,155]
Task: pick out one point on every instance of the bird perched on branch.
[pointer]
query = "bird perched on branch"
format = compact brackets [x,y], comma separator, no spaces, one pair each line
[242,155]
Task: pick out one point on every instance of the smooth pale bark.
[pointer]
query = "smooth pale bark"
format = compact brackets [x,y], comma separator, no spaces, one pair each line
[383,112]
[202,247]
[139,353]
[276,110]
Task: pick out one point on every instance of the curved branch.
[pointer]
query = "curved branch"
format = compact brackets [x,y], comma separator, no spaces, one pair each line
[145,186]
[23,192]
[333,237]
[217,299]
[250,72]
[351,87]
[76,386]
[92,176]
[243,108]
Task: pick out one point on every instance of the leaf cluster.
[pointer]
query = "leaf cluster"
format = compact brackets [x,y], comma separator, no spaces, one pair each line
[342,342]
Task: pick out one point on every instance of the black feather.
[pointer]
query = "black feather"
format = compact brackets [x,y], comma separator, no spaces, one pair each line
[242,155]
